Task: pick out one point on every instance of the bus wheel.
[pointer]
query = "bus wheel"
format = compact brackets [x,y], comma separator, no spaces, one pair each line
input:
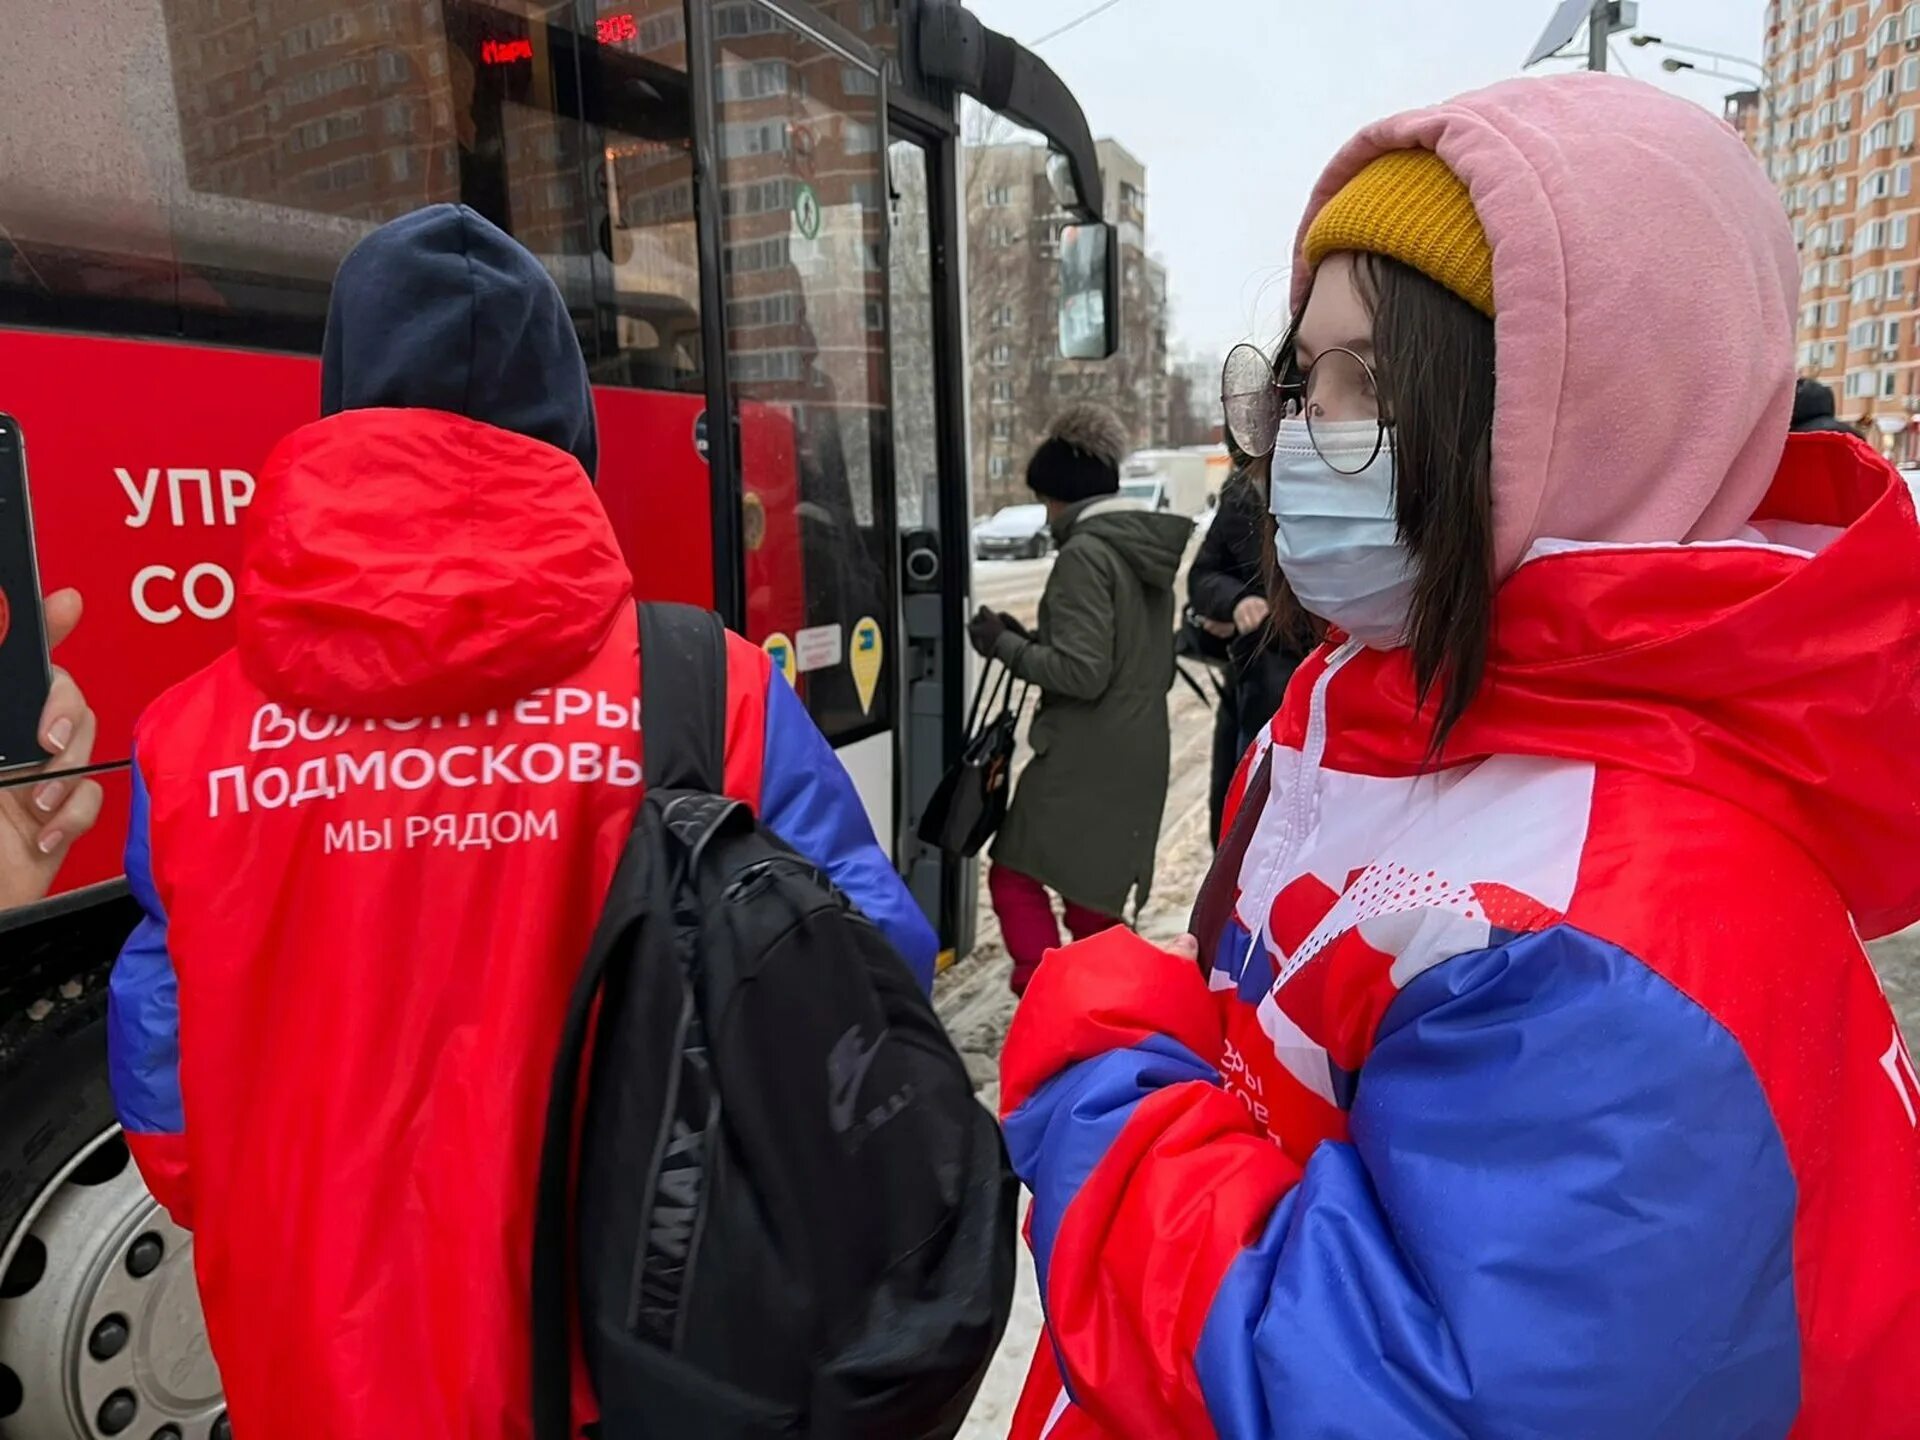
[100,1327]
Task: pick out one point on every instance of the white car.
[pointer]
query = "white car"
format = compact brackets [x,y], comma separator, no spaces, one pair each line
[1017,532]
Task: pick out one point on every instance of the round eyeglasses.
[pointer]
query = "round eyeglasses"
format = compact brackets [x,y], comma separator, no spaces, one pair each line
[1336,397]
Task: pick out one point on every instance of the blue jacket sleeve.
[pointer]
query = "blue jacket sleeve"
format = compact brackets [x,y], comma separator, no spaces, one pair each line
[143,1029]
[1565,1211]
[807,799]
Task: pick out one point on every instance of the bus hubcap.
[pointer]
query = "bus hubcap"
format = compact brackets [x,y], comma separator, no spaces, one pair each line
[100,1326]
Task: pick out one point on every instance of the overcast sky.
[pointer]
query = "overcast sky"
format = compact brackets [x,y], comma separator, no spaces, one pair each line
[1235,105]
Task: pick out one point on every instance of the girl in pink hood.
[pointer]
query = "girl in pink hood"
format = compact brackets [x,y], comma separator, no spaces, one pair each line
[1532,1079]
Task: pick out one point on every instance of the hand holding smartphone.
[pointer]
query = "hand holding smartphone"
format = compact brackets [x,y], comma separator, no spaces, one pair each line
[26,673]
[46,727]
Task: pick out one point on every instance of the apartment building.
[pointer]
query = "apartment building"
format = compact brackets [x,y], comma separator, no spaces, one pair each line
[1016,376]
[1836,128]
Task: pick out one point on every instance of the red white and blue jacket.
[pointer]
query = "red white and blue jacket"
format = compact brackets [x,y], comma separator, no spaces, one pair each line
[371,844]
[1547,1091]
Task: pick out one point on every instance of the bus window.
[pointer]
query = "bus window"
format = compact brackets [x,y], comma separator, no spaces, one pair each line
[649,239]
[916,410]
[89,162]
[873,21]
[198,168]
[803,235]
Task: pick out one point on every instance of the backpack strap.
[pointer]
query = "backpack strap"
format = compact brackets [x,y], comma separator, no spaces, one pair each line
[683,658]
[555,1316]
[683,663]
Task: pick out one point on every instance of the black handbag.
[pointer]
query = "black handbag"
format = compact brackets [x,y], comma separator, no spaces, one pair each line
[1191,642]
[971,799]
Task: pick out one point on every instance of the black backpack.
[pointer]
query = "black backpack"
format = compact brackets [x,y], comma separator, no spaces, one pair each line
[791,1216]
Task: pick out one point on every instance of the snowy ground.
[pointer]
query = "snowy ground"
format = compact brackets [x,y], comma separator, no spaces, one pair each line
[973,997]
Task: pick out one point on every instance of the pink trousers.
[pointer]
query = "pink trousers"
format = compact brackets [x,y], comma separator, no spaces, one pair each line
[1028,924]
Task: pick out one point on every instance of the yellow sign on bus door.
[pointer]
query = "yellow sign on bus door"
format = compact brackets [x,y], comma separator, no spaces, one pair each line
[781,649]
[865,659]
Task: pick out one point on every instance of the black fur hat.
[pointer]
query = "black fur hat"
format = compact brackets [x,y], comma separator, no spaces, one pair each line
[1080,458]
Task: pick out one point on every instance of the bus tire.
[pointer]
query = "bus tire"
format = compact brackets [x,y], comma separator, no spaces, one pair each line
[100,1327]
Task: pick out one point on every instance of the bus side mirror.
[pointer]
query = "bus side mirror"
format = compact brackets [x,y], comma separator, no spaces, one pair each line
[1089,292]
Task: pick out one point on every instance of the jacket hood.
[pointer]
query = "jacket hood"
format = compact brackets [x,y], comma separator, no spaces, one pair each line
[1606,201]
[401,563]
[1813,408]
[1811,401]
[1152,542]
[1779,672]
[443,310]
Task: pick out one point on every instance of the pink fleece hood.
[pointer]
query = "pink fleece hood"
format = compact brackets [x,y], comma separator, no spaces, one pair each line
[1645,283]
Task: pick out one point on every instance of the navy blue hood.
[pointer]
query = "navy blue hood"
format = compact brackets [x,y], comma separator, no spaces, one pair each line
[443,310]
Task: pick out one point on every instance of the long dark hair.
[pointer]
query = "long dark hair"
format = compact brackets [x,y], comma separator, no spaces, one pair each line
[1433,355]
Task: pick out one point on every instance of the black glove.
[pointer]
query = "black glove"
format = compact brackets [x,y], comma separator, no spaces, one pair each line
[985,630]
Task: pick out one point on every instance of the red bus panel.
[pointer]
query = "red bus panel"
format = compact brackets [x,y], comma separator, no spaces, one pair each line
[143,457]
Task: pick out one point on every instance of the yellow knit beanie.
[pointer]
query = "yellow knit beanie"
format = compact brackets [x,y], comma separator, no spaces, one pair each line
[1409,206]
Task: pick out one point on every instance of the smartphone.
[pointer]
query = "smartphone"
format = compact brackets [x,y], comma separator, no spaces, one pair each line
[26,671]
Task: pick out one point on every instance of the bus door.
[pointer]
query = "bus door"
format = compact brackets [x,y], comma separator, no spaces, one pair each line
[931,505]
[799,142]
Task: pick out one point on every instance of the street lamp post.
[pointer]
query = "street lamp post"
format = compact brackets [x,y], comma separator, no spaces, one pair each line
[1674,66]
[1642,41]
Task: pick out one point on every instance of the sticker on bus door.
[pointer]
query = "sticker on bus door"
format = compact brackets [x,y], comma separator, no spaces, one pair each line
[780,649]
[806,212]
[817,648]
[868,653]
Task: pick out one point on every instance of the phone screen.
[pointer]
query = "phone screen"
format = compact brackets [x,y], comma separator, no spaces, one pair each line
[24,675]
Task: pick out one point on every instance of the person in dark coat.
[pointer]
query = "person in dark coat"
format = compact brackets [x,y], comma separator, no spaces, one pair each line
[1226,591]
[1813,408]
[1085,819]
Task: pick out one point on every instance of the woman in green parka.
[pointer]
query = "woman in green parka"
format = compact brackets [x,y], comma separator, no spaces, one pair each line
[1086,811]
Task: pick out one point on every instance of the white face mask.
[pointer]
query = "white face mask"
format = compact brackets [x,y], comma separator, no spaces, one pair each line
[1337,541]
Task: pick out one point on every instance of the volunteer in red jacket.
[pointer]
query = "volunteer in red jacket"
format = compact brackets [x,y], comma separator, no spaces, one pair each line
[1534,1081]
[372,840]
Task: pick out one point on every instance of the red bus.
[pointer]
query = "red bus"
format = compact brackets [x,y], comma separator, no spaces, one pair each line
[752,209]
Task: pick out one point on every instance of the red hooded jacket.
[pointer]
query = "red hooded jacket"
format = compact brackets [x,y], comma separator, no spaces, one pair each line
[372,843]
[1545,1090]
